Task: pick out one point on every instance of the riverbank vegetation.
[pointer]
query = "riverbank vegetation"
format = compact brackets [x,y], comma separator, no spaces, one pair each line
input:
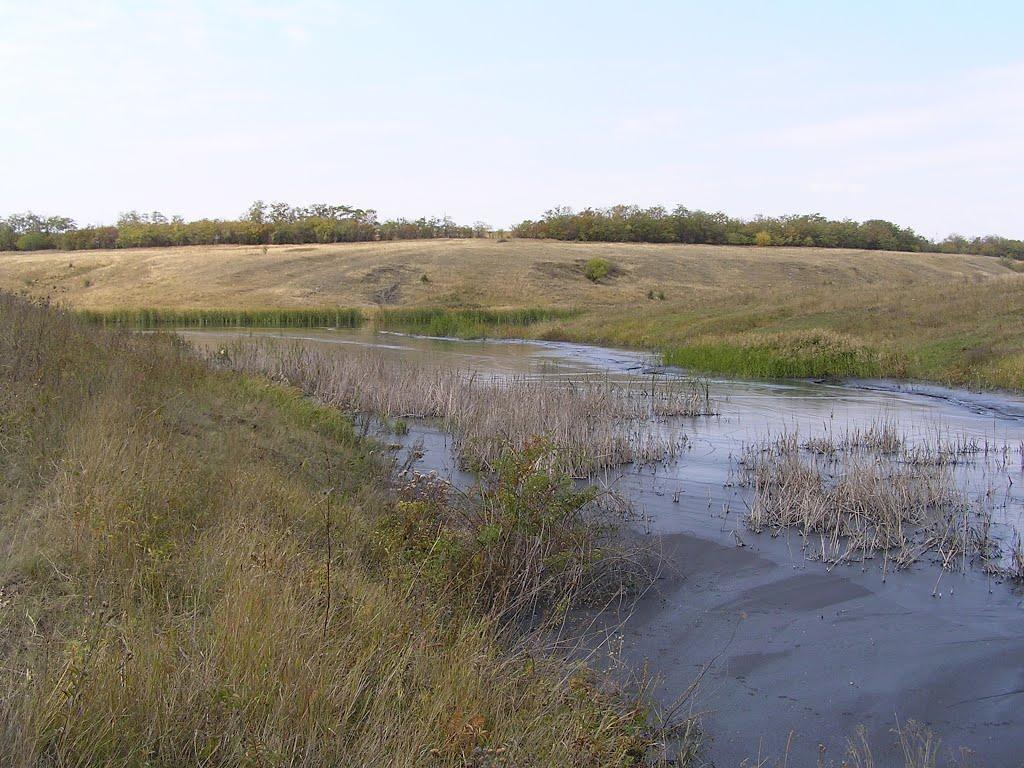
[592,424]
[958,332]
[205,568]
[874,493]
[145,319]
[467,323]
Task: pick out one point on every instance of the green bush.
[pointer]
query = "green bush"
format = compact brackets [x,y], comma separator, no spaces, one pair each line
[597,269]
[8,238]
[89,237]
[36,241]
[527,542]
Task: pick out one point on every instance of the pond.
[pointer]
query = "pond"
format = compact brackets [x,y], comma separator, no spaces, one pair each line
[783,643]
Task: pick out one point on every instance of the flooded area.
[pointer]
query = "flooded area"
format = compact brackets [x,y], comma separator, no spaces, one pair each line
[787,648]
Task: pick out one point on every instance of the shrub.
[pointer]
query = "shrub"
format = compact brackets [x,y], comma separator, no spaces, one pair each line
[597,269]
[8,238]
[762,239]
[35,241]
[89,238]
[527,541]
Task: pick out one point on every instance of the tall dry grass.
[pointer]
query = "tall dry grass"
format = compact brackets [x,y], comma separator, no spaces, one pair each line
[870,492]
[203,569]
[592,423]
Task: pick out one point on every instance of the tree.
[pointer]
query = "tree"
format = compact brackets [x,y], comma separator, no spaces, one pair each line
[256,213]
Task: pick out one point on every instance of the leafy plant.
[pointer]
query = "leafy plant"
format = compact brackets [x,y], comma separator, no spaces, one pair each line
[596,270]
[526,540]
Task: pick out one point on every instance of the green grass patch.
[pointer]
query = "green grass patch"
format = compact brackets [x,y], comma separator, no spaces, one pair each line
[795,355]
[226,318]
[466,323]
[291,404]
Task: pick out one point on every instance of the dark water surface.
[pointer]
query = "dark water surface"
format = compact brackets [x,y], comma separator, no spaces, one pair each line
[791,645]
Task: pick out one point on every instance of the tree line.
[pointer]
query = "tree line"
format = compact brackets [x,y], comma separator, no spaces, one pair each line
[630,223]
[261,224]
[280,223]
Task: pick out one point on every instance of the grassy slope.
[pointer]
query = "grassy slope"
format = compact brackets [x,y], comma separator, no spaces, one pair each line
[958,319]
[165,571]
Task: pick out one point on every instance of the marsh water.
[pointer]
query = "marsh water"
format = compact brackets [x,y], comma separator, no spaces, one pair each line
[789,650]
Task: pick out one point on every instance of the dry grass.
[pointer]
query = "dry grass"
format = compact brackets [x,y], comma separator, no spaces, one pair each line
[591,423]
[919,748]
[873,491]
[917,744]
[484,273]
[866,494]
[195,573]
[948,318]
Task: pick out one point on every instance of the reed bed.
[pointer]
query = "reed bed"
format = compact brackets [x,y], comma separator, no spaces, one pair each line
[885,438]
[802,354]
[864,508]
[868,493]
[593,424]
[145,319]
[466,323]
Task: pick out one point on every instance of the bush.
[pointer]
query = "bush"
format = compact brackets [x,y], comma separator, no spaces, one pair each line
[597,269]
[526,544]
[762,239]
[89,238]
[8,238]
[36,241]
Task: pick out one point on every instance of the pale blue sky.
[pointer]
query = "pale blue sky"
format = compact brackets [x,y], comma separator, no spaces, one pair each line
[912,111]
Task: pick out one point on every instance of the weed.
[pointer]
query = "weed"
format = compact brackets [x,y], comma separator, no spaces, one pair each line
[869,492]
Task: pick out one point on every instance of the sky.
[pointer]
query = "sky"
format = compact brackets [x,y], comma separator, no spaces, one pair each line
[495,112]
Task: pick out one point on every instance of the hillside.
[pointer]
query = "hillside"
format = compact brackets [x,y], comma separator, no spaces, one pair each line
[950,318]
[460,272]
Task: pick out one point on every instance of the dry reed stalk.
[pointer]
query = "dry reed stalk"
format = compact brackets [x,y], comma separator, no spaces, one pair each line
[865,504]
[593,423]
